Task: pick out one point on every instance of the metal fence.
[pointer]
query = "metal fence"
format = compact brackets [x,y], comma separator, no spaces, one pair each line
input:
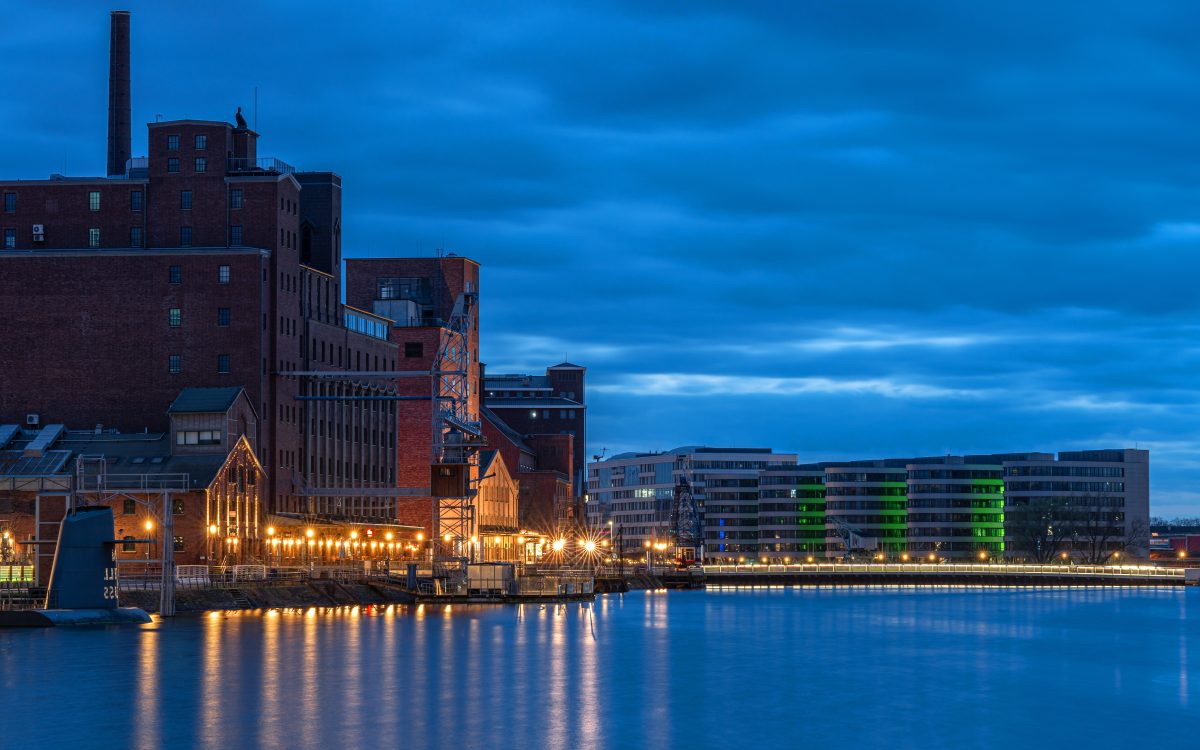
[1127,571]
[149,577]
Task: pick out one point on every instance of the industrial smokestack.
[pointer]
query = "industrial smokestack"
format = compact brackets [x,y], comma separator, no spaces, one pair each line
[118,94]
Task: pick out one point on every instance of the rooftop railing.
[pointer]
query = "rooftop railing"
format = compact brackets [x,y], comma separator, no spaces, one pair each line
[260,165]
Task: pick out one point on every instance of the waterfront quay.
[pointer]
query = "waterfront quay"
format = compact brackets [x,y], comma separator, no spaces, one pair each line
[934,574]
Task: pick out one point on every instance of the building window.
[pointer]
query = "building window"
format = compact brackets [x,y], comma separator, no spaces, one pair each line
[129,506]
[174,317]
[94,237]
[222,274]
[223,363]
[201,142]
[185,236]
[173,164]
[93,200]
[177,506]
[10,203]
[235,235]
[174,364]
[175,274]
[128,546]
[185,200]
[10,238]
[235,198]
[172,143]
[201,164]
[177,543]
[135,200]
[198,437]
[135,236]
[223,316]
[414,349]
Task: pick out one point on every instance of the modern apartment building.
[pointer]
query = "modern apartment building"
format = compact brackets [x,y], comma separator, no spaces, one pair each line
[791,513]
[869,500]
[635,491]
[1089,506]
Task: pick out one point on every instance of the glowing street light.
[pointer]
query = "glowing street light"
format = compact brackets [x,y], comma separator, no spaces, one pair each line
[589,546]
[560,544]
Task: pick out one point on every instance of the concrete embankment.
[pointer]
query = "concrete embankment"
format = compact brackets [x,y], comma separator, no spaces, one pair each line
[313,594]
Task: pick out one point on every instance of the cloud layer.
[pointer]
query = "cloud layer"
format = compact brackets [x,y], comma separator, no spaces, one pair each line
[841,229]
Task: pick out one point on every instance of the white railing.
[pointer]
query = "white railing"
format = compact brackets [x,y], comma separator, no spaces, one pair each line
[1129,571]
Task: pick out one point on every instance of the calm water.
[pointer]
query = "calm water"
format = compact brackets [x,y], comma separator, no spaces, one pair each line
[808,668]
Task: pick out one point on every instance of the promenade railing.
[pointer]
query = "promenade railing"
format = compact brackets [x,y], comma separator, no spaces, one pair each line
[1127,571]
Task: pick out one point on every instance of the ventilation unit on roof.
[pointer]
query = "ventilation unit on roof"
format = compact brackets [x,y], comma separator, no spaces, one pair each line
[39,232]
[32,420]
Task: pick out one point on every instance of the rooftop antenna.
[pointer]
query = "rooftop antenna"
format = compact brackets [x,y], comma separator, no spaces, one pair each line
[256,109]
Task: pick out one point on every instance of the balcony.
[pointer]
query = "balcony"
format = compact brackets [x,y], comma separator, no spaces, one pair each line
[262,165]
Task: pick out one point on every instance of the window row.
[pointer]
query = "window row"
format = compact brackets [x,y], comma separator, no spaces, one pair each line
[175,316]
[173,142]
[201,164]
[175,274]
[175,364]
[198,437]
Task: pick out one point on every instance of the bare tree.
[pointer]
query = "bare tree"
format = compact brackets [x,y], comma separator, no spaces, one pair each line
[1040,529]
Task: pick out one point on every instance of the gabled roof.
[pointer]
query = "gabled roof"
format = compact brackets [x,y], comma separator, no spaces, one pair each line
[513,436]
[204,400]
[485,461]
[566,366]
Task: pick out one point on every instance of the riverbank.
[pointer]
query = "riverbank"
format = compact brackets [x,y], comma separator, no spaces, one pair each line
[311,594]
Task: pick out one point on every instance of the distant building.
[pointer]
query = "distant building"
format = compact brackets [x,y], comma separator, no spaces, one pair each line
[1086,506]
[791,513]
[1097,503]
[543,418]
[635,491]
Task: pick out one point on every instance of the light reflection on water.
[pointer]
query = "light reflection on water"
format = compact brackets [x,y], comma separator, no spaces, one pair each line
[783,667]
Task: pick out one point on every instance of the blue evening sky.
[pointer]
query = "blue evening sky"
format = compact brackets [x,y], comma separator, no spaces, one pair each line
[844,229]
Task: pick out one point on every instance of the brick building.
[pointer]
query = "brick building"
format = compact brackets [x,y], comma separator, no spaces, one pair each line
[203,467]
[543,418]
[205,264]
[418,298]
[202,264]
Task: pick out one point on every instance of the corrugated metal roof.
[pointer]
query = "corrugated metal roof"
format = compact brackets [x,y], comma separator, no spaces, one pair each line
[204,400]
[17,464]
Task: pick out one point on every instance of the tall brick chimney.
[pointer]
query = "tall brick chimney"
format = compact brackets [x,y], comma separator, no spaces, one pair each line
[118,94]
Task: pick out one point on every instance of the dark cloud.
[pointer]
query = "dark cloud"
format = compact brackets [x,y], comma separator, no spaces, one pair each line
[845,229]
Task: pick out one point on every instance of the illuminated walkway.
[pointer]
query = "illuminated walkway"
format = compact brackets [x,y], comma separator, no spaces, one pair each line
[948,574]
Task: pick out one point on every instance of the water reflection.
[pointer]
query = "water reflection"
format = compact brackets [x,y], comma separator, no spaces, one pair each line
[782,667]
